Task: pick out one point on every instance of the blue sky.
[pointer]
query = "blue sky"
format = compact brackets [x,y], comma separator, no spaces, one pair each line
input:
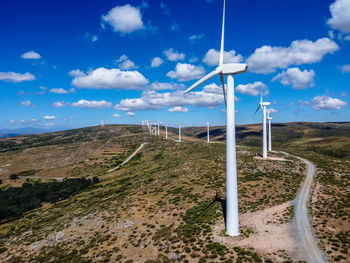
[71,64]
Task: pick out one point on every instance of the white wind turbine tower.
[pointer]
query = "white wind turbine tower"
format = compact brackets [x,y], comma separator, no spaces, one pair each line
[263,105]
[179,133]
[166,131]
[269,120]
[158,129]
[208,139]
[232,225]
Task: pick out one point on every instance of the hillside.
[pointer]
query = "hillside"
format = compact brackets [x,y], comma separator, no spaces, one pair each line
[166,203]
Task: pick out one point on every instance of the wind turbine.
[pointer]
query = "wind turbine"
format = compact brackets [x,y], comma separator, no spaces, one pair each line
[208,139]
[232,225]
[269,119]
[179,133]
[263,105]
[166,131]
[158,128]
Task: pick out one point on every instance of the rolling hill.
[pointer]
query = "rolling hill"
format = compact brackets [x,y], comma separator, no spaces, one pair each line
[166,204]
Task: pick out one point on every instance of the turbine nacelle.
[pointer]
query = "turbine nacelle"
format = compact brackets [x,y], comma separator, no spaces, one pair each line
[233,68]
[265,103]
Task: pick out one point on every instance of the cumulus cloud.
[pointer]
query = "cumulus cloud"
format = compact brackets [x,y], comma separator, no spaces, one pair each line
[212,57]
[173,55]
[130,114]
[186,72]
[26,103]
[174,25]
[267,59]
[62,91]
[165,86]
[92,104]
[125,63]
[195,38]
[50,117]
[210,96]
[271,111]
[340,19]
[30,55]
[178,109]
[59,104]
[253,89]
[16,77]
[327,103]
[94,38]
[345,68]
[164,8]
[124,19]
[116,115]
[297,78]
[102,78]
[156,62]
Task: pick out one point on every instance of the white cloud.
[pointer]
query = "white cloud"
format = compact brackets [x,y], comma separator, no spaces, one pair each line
[164,8]
[92,104]
[156,62]
[130,114]
[297,78]
[27,103]
[124,19]
[178,109]
[31,55]
[165,86]
[271,111]
[210,96]
[345,68]
[59,104]
[303,103]
[340,19]
[186,72]
[116,115]
[94,38]
[327,103]
[195,38]
[253,89]
[125,63]
[212,57]
[267,59]
[16,77]
[62,91]
[50,117]
[102,78]
[174,26]
[173,55]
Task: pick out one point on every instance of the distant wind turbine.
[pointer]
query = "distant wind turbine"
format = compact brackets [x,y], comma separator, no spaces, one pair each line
[179,133]
[269,119]
[232,225]
[158,128]
[166,131]
[208,139]
[263,105]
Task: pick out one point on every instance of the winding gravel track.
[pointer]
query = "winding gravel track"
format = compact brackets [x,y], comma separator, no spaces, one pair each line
[301,219]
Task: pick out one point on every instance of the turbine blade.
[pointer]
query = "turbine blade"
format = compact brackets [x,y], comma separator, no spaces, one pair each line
[221,62]
[223,86]
[257,110]
[204,79]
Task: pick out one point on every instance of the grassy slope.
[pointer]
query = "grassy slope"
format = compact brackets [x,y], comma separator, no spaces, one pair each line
[161,205]
[327,145]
